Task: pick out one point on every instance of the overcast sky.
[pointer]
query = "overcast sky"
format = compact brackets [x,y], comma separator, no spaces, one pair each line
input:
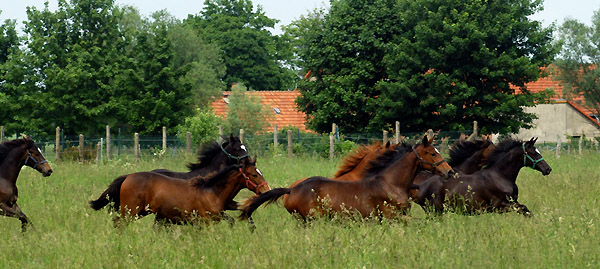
[288,10]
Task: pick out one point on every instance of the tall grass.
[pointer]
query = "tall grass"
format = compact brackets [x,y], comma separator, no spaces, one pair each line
[67,233]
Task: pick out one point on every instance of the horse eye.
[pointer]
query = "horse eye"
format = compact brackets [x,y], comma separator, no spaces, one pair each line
[254,175]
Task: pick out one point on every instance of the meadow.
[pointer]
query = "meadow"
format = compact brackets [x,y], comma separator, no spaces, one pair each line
[563,233]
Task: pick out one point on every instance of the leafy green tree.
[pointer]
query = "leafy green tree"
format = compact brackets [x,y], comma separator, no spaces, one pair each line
[249,49]
[428,64]
[579,60]
[203,126]
[246,112]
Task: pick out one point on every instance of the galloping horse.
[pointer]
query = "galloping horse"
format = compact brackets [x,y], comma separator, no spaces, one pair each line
[177,200]
[493,188]
[13,155]
[466,157]
[382,192]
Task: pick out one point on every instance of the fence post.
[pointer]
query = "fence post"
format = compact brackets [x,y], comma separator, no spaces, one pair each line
[57,145]
[164,138]
[558,146]
[220,139]
[99,152]
[2,133]
[188,142]
[475,129]
[81,147]
[289,143]
[331,147]
[397,132]
[108,142]
[242,136]
[385,137]
[136,147]
[580,143]
[275,142]
[119,144]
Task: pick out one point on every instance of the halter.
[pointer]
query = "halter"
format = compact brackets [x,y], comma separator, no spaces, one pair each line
[421,161]
[249,182]
[237,158]
[29,156]
[526,156]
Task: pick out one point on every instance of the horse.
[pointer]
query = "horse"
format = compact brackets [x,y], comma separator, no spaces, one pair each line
[466,157]
[383,191]
[180,201]
[14,155]
[492,188]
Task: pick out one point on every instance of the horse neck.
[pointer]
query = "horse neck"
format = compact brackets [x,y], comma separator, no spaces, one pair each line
[216,164]
[510,165]
[357,172]
[471,164]
[229,189]
[403,171]
[12,164]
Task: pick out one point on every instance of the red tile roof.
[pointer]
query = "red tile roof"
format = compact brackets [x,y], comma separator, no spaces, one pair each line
[282,100]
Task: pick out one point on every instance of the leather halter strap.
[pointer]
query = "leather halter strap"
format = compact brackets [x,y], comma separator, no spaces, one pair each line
[421,161]
[36,163]
[526,156]
[230,156]
[249,182]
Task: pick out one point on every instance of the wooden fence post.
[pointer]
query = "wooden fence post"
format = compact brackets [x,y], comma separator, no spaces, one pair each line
[164,138]
[331,147]
[558,146]
[99,152]
[242,136]
[188,142]
[136,146]
[2,130]
[385,137]
[580,144]
[81,147]
[108,142]
[475,129]
[57,145]
[397,132]
[275,142]
[220,139]
[290,146]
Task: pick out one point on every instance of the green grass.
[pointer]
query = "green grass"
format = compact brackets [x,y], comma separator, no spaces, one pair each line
[562,234]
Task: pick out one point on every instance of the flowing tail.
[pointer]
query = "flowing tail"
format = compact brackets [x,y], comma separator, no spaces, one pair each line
[111,194]
[254,202]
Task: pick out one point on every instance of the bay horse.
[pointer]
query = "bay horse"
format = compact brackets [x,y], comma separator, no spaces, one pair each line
[180,201]
[493,188]
[466,157]
[382,192]
[14,155]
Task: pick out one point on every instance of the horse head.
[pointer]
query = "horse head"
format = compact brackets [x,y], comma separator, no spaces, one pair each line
[253,178]
[35,159]
[431,159]
[533,158]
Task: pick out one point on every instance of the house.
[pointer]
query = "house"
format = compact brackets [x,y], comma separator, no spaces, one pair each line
[560,118]
[280,103]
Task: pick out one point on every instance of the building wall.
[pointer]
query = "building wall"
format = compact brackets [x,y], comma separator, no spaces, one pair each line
[556,121]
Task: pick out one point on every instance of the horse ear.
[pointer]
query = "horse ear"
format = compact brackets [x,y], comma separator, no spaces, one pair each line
[387,145]
[230,137]
[254,161]
[425,141]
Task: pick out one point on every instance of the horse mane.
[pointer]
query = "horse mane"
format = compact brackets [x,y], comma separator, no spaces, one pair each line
[8,146]
[384,160]
[355,158]
[502,148]
[208,152]
[202,182]
[462,150]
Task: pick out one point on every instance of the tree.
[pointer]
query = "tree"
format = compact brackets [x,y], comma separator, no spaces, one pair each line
[246,112]
[249,49]
[579,60]
[428,64]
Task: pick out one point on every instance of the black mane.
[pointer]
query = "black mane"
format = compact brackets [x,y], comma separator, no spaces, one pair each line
[462,150]
[8,146]
[383,161]
[213,180]
[208,152]
[502,148]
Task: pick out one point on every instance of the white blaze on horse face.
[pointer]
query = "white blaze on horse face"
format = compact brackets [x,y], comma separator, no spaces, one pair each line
[259,172]
[436,150]
[243,147]
[41,153]
[536,150]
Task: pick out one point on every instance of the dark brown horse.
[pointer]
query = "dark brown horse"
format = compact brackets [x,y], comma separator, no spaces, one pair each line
[180,201]
[493,188]
[466,157]
[383,192]
[13,155]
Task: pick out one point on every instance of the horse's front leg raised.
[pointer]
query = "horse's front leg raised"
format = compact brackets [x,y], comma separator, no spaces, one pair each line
[13,210]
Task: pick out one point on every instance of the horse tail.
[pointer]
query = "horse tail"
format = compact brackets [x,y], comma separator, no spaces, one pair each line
[111,194]
[254,202]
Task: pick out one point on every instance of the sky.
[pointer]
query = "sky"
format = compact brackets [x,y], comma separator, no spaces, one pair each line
[287,11]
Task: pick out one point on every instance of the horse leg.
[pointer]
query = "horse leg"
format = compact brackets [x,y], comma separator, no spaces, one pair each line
[13,210]
[522,209]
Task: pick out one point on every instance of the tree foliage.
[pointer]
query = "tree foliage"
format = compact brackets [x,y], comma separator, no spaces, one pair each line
[427,64]
[250,51]
[246,112]
[579,60]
